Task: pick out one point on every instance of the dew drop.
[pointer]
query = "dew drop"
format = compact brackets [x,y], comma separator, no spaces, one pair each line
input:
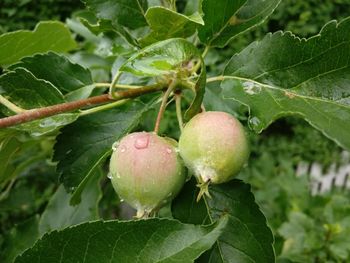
[109,176]
[115,146]
[121,200]
[46,123]
[255,123]
[123,149]
[168,150]
[142,142]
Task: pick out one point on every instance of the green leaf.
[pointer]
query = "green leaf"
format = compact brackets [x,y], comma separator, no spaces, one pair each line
[246,237]
[284,75]
[225,19]
[161,58]
[23,89]
[152,240]
[58,70]
[166,23]
[9,146]
[84,144]
[166,58]
[104,25]
[26,91]
[128,13]
[60,214]
[47,125]
[19,239]
[47,36]
[17,153]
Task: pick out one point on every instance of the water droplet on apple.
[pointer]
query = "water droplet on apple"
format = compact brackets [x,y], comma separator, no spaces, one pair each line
[115,146]
[168,150]
[123,149]
[142,142]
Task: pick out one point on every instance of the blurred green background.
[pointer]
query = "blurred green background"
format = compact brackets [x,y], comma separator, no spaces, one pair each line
[307,228]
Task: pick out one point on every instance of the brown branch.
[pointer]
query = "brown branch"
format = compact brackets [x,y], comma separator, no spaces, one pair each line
[39,113]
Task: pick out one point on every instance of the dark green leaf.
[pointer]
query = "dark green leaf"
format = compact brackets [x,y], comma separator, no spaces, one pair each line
[104,25]
[246,238]
[26,91]
[9,146]
[84,144]
[16,155]
[166,23]
[128,13]
[47,36]
[225,19]
[284,75]
[187,209]
[57,69]
[152,240]
[60,214]
[19,239]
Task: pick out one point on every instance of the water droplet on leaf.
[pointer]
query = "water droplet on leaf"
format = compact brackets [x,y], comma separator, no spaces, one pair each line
[255,123]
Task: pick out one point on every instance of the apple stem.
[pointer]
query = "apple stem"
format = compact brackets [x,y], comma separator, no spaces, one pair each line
[178,111]
[163,105]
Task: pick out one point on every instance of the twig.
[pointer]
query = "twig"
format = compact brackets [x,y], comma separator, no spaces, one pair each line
[8,104]
[40,113]
[103,107]
[163,105]
[178,111]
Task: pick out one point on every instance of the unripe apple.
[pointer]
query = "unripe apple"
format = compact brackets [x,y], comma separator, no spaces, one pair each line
[214,147]
[147,171]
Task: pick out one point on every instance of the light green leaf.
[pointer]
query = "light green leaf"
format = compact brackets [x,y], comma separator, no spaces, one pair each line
[161,58]
[284,75]
[84,144]
[60,214]
[47,36]
[169,57]
[153,240]
[225,19]
[246,237]
[58,70]
[47,125]
[166,23]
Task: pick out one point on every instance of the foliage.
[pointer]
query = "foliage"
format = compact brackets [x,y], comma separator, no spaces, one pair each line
[65,99]
[25,14]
